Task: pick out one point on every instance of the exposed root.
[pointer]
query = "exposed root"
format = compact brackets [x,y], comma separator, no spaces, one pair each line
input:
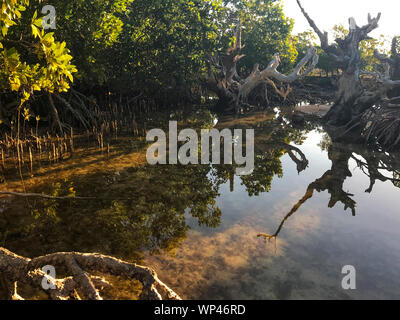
[382,124]
[56,117]
[75,112]
[29,271]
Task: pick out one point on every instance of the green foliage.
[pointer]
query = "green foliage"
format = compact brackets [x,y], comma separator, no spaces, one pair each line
[367,48]
[266,31]
[90,28]
[326,62]
[166,44]
[127,46]
[303,42]
[34,62]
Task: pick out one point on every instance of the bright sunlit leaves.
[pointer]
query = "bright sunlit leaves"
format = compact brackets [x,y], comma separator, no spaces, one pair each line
[53,70]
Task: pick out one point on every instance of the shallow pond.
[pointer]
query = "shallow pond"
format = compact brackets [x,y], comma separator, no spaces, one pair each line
[198,226]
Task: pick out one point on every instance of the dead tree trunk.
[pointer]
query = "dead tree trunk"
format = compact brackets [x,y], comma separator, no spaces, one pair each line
[352,99]
[233,91]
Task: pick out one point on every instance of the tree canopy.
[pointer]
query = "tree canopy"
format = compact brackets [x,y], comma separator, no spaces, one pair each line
[133,46]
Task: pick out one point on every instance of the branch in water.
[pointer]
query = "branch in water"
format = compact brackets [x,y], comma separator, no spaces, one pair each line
[44,196]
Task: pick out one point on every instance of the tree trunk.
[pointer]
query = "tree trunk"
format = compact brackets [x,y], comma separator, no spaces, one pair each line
[352,100]
[349,90]
[395,66]
[233,91]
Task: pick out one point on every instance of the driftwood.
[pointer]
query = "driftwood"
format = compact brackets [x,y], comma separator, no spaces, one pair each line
[16,269]
[233,91]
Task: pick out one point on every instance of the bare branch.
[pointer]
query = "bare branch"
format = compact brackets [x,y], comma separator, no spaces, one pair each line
[311,58]
[373,23]
[340,52]
[257,77]
[323,36]
[224,80]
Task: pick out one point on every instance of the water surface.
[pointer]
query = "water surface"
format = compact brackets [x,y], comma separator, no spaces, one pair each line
[198,226]
[316,241]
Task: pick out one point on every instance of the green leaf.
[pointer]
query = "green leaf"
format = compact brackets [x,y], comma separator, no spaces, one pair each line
[4,31]
[35,31]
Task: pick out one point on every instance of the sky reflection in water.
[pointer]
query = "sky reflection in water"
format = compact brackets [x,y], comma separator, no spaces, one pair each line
[223,258]
[230,262]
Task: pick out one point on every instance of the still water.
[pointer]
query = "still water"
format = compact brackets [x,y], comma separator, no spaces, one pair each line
[314,244]
[198,226]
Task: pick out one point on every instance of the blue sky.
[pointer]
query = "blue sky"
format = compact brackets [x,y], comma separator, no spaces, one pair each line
[327,13]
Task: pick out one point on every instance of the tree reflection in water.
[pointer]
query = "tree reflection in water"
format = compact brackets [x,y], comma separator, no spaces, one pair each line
[152,219]
[371,163]
[272,143]
[160,198]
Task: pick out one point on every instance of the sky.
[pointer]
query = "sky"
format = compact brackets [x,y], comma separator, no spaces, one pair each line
[327,13]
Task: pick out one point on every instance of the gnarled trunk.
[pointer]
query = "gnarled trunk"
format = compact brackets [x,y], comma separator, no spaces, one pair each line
[346,54]
[375,113]
[352,99]
[349,91]
[234,92]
